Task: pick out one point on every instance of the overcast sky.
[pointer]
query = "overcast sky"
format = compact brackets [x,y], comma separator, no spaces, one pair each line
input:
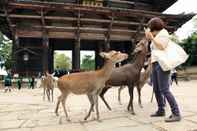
[181,6]
[184,6]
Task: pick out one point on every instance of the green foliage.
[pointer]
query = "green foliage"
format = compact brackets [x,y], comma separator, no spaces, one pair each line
[62,61]
[190,46]
[88,63]
[5,51]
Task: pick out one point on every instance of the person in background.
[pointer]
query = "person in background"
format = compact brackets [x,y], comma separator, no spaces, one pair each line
[174,76]
[29,82]
[57,72]
[32,82]
[8,82]
[39,75]
[19,80]
[160,38]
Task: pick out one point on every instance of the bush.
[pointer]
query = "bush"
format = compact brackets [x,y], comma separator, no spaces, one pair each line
[190,46]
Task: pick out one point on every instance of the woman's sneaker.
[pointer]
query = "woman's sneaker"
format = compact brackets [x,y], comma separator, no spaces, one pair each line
[158,114]
[173,118]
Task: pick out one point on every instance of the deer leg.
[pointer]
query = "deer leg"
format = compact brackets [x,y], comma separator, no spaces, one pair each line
[139,96]
[57,105]
[44,90]
[119,91]
[128,107]
[52,94]
[96,104]
[131,99]
[49,90]
[64,106]
[104,90]
[152,96]
[90,97]
[48,94]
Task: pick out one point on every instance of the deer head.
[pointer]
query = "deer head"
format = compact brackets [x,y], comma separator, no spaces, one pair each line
[141,46]
[114,56]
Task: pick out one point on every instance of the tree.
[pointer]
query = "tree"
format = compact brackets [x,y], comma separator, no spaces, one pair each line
[5,52]
[190,46]
[62,61]
[88,63]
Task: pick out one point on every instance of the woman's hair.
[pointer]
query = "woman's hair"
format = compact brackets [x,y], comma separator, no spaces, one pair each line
[155,24]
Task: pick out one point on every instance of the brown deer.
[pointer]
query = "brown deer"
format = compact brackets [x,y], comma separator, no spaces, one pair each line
[129,74]
[144,76]
[48,84]
[90,83]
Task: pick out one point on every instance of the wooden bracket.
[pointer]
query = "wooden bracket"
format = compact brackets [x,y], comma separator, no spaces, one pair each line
[135,36]
[108,33]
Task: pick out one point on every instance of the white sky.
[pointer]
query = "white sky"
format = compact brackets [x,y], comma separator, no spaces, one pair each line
[181,6]
[184,6]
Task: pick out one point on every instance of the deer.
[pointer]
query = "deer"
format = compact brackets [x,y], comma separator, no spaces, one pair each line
[128,74]
[48,83]
[144,77]
[89,83]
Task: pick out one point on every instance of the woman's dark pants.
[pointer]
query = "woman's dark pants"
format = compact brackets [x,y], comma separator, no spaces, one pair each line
[161,89]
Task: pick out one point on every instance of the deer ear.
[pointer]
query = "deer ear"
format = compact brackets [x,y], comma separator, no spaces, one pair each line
[102,54]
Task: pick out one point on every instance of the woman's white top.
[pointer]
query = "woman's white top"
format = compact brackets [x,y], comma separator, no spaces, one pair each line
[164,37]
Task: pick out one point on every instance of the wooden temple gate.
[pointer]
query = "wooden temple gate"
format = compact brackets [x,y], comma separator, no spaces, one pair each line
[38,28]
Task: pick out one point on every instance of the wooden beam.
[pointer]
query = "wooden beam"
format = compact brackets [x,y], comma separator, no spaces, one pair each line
[60,18]
[28,33]
[82,29]
[45,43]
[92,36]
[123,2]
[136,4]
[71,35]
[100,10]
[77,44]
[115,22]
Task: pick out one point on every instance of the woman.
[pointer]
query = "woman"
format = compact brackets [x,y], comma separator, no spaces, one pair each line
[159,38]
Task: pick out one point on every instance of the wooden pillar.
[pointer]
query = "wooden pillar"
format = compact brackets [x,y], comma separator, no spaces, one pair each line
[50,59]
[108,36]
[45,44]
[76,55]
[76,50]
[98,60]
[15,45]
[107,45]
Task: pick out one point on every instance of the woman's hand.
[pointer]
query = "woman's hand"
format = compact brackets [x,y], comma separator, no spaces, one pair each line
[149,35]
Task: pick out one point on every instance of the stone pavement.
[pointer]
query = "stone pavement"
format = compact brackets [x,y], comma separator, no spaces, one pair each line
[25,111]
